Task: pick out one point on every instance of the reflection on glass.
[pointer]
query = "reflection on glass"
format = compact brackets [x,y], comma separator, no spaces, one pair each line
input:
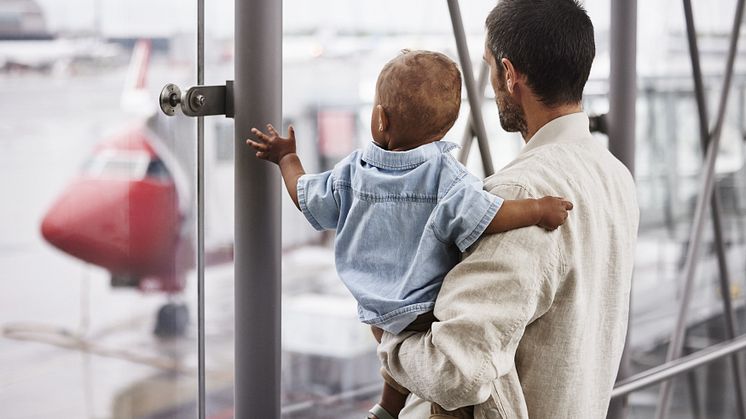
[97,231]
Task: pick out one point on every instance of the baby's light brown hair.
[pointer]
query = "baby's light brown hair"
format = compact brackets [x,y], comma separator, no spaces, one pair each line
[421,94]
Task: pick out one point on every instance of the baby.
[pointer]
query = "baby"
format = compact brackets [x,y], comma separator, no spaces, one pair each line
[403,208]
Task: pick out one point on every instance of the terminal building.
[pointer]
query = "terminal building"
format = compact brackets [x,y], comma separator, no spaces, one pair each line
[153,268]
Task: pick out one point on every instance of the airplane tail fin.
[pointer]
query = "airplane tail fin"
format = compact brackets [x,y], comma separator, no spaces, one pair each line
[135,94]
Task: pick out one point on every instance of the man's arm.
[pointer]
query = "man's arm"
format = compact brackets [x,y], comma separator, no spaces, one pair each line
[486,302]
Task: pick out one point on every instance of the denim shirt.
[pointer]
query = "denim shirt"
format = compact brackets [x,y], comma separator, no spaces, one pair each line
[401,220]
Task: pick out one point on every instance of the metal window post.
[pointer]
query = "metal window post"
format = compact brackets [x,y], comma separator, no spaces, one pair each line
[623,81]
[201,382]
[621,122]
[253,99]
[257,95]
[470,132]
[475,98]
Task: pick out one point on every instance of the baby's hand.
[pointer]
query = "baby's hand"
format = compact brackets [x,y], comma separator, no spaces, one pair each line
[272,147]
[553,211]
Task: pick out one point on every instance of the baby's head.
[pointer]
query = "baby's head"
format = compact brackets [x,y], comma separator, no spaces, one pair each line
[418,97]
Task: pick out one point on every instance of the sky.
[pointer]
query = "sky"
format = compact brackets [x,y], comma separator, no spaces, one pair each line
[657,19]
[166,17]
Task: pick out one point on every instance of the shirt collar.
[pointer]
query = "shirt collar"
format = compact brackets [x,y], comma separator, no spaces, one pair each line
[572,127]
[403,160]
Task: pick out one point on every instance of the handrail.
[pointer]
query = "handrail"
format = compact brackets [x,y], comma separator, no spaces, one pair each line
[678,366]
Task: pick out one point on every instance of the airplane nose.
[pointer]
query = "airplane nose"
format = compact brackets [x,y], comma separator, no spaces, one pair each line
[127,227]
[89,221]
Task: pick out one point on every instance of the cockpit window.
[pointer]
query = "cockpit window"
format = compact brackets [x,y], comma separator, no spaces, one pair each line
[118,164]
[157,170]
[121,168]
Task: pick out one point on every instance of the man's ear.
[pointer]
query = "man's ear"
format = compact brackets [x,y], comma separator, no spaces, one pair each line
[383,120]
[511,75]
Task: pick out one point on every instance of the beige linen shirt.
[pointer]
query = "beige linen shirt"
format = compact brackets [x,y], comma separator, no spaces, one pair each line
[532,323]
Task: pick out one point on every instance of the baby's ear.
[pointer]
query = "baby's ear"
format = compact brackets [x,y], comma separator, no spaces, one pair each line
[383,120]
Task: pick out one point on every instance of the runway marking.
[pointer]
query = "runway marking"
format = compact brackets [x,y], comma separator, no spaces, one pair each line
[64,338]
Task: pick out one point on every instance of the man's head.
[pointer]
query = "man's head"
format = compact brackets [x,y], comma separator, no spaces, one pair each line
[544,46]
[418,97]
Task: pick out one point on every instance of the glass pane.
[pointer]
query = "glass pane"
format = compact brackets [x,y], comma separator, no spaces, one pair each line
[669,175]
[97,226]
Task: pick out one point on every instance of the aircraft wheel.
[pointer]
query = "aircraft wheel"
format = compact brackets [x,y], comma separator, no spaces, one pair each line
[172,320]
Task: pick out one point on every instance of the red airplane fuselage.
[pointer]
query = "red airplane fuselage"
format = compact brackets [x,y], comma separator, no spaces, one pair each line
[122,214]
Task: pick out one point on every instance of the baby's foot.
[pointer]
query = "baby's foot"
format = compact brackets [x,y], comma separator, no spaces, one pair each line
[378,412]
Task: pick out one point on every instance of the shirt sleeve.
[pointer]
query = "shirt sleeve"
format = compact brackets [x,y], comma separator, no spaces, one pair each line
[317,200]
[483,307]
[465,211]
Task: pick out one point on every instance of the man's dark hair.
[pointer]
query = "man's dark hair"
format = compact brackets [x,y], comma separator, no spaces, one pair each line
[550,41]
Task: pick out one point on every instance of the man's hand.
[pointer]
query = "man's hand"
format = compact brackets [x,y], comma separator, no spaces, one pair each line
[271,146]
[377,333]
[552,211]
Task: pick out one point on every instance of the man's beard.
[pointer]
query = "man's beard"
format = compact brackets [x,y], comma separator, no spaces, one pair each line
[512,118]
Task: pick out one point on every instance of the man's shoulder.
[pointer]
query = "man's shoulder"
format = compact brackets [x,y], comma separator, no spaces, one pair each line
[546,169]
[514,181]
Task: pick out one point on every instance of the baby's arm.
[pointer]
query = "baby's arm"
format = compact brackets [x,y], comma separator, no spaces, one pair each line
[548,212]
[280,151]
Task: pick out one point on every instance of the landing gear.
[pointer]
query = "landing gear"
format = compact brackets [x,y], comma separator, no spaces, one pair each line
[172,320]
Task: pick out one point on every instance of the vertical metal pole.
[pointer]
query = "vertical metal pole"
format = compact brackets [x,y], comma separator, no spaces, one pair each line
[475,102]
[672,171]
[257,101]
[712,146]
[469,132]
[725,291]
[623,81]
[715,208]
[742,110]
[201,217]
[621,125]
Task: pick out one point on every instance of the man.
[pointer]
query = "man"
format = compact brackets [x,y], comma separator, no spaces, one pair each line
[532,323]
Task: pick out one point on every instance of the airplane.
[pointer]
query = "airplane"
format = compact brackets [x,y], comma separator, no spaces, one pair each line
[53,54]
[131,209]
[128,210]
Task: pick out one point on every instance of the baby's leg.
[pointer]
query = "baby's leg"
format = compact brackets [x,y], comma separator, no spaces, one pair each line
[394,396]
